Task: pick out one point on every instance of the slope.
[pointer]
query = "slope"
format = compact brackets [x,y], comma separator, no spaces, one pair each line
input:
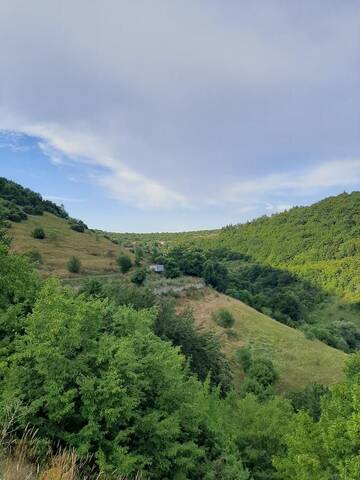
[96,253]
[299,361]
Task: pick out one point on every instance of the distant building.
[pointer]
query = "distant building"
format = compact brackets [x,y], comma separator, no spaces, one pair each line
[157,268]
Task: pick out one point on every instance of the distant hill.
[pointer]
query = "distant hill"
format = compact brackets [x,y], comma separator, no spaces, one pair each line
[320,243]
[24,210]
[299,361]
[17,202]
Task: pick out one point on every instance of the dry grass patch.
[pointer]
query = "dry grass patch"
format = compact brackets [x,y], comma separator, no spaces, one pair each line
[96,253]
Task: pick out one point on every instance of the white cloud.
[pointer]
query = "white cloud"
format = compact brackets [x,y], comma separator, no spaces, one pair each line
[337,173]
[122,182]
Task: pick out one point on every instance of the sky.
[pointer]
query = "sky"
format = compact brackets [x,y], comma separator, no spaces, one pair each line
[158,115]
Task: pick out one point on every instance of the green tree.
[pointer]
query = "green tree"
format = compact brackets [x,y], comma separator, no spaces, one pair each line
[202,349]
[139,276]
[329,448]
[124,262]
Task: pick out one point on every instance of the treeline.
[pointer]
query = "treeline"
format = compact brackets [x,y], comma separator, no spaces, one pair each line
[135,387]
[17,202]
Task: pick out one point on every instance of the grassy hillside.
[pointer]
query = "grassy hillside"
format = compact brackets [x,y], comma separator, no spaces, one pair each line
[299,361]
[97,254]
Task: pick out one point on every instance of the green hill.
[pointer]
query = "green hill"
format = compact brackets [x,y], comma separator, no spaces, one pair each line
[321,243]
[24,211]
[299,361]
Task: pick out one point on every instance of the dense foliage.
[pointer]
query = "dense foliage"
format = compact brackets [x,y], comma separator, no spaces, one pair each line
[320,242]
[326,448]
[16,202]
[124,262]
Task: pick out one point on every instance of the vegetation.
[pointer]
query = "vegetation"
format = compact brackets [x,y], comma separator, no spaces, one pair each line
[224,318]
[327,447]
[298,361]
[17,202]
[38,233]
[74,264]
[139,276]
[97,254]
[125,263]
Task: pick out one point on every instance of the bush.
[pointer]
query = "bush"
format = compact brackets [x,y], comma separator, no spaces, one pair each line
[139,276]
[244,358]
[77,227]
[263,371]
[74,264]
[124,262]
[224,318]
[38,233]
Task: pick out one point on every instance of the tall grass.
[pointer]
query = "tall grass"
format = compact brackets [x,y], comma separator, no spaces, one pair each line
[20,460]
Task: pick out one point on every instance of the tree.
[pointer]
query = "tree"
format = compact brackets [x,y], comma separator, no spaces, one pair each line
[328,448]
[38,233]
[216,275]
[124,262]
[74,264]
[172,269]
[202,349]
[139,276]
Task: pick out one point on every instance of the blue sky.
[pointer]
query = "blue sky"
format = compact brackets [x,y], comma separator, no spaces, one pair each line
[157,115]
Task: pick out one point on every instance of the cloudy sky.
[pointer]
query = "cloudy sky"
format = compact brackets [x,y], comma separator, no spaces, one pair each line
[146,115]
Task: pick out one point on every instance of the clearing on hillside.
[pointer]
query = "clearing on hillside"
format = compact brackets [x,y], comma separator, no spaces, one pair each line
[96,253]
[299,361]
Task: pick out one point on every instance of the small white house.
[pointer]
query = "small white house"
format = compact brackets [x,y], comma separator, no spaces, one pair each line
[157,268]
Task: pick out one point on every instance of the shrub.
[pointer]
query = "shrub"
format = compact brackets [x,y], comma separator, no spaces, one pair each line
[77,227]
[139,276]
[74,264]
[38,233]
[124,262]
[244,358]
[263,371]
[224,318]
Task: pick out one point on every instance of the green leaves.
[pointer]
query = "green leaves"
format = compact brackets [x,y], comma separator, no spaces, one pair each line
[96,377]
